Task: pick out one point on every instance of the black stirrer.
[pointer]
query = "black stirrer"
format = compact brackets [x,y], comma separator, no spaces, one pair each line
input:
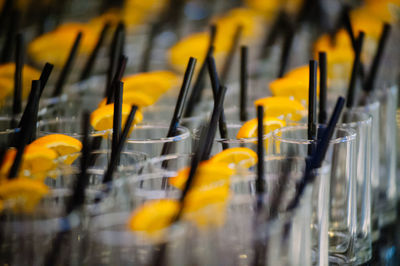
[273,33]
[312,104]
[78,196]
[217,110]
[212,70]
[66,70]
[201,154]
[285,53]
[178,112]
[94,55]
[260,181]
[125,132]
[26,131]
[44,77]
[323,87]
[231,54]
[373,73]
[244,75]
[352,92]
[315,161]
[115,52]
[6,53]
[349,29]
[117,117]
[19,64]
[195,95]
[180,103]
[146,58]
[109,92]
[6,10]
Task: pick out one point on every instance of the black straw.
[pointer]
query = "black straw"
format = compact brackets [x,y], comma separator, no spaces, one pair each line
[109,93]
[115,52]
[323,87]
[19,64]
[231,54]
[285,54]
[195,95]
[352,92]
[14,20]
[373,73]
[312,103]
[244,74]
[26,130]
[178,112]
[260,181]
[94,55]
[125,132]
[146,58]
[212,70]
[62,79]
[118,96]
[44,76]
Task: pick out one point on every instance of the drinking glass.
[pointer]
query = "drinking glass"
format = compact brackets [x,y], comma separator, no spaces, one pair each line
[387,194]
[151,138]
[28,237]
[373,109]
[342,182]
[361,123]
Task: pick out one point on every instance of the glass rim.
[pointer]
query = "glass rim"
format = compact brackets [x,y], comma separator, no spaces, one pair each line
[92,133]
[351,135]
[196,136]
[183,133]
[367,118]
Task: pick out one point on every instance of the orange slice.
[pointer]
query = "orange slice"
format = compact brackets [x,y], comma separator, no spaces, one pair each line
[22,194]
[154,82]
[137,98]
[65,146]
[153,216]
[294,84]
[249,129]
[102,118]
[282,106]
[37,160]
[55,46]
[235,156]
[209,172]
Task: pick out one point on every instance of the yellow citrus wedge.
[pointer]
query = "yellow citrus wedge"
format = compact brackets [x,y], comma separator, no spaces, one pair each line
[138,98]
[38,160]
[249,129]
[206,206]
[154,82]
[22,194]
[235,156]
[54,46]
[338,51]
[65,146]
[277,106]
[102,118]
[153,216]
[208,173]
[294,84]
